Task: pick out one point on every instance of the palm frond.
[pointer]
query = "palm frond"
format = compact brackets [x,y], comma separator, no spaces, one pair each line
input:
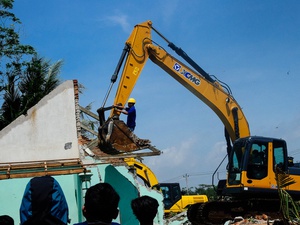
[88,122]
[89,106]
[284,180]
[38,79]
[55,68]
[288,208]
[81,88]
[51,77]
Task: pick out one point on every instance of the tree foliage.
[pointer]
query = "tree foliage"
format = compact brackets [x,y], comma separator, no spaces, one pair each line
[39,79]
[202,189]
[25,78]
[13,54]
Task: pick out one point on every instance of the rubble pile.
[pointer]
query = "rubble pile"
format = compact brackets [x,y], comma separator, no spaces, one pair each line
[258,219]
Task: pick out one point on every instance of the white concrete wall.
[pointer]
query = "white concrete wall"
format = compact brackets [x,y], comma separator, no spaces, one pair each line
[47,132]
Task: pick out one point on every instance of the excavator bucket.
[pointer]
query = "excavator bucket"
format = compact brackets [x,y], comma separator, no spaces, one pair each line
[115,138]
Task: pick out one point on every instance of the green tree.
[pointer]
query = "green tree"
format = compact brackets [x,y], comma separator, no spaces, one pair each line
[13,54]
[202,189]
[11,103]
[25,78]
[38,80]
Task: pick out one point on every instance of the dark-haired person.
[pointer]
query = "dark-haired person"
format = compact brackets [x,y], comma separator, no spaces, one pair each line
[145,209]
[101,205]
[6,220]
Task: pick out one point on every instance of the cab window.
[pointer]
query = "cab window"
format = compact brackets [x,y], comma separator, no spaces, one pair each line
[258,161]
[279,155]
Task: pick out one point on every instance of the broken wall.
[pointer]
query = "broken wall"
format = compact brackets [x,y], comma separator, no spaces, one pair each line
[47,132]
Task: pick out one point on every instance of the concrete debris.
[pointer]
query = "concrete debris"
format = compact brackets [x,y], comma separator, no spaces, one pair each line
[258,219]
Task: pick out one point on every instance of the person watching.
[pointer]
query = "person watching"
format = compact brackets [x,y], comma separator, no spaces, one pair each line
[145,209]
[6,220]
[101,205]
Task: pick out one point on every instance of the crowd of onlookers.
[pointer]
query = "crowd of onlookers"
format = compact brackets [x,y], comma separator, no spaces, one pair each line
[44,203]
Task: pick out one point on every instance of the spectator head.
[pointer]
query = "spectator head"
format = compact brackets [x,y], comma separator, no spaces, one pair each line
[44,203]
[6,220]
[145,209]
[101,203]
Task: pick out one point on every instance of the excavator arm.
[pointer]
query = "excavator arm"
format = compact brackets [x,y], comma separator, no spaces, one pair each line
[174,201]
[139,48]
[143,172]
[135,56]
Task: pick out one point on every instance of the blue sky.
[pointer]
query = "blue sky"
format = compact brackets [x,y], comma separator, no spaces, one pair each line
[253,46]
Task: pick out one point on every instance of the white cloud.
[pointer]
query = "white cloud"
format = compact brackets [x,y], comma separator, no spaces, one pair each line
[217,153]
[169,10]
[173,156]
[188,158]
[118,19]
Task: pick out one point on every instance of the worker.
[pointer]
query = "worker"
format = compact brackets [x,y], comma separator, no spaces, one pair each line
[130,112]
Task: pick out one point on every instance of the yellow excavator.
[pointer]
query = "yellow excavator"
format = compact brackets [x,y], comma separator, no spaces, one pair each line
[174,201]
[250,186]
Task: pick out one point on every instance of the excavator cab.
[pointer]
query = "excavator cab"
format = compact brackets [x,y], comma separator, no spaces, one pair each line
[249,156]
[252,164]
[171,193]
[175,201]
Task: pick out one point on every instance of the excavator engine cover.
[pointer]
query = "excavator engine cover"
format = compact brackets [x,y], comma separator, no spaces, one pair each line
[115,138]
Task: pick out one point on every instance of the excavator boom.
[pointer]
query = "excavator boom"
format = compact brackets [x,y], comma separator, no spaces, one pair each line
[139,47]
